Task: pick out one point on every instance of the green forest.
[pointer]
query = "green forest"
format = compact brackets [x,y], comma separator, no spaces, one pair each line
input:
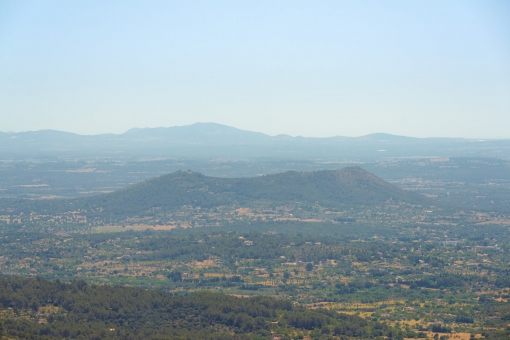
[77,310]
[347,187]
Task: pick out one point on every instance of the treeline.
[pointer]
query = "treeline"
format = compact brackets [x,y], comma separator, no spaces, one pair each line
[310,248]
[83,311]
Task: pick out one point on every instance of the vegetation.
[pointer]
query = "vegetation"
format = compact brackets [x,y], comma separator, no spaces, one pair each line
[405,278]
[327,254]
[38,309]
[346,188]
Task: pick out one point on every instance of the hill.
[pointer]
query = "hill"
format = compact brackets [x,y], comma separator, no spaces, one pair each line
[301,192]
[216,140]
[351,186]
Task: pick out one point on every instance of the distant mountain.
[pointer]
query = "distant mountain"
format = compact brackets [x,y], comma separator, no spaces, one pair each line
[215,140]
[334,189]
[199,134]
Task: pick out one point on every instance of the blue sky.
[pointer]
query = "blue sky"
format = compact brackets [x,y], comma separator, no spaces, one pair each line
[310,68]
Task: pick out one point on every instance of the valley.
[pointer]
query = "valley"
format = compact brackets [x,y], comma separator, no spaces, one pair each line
[414,279]
[339,240]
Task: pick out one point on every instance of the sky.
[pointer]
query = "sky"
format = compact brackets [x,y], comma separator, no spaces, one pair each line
[311,68]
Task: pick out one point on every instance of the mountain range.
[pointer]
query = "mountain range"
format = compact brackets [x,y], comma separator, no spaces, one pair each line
[215,140]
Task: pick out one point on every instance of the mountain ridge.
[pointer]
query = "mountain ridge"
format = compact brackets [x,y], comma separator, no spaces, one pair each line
[207,127]
[216,140]
[350,187]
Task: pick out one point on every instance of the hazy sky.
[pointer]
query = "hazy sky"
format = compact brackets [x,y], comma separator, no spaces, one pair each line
[311,68]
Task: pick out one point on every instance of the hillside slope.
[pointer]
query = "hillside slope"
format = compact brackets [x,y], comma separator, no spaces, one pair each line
[80,311]
[351,186]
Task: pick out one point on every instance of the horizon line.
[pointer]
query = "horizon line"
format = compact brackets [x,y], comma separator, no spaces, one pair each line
[250,131]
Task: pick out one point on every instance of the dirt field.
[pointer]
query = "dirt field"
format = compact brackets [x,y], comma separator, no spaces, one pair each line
[112,228]
[456,336]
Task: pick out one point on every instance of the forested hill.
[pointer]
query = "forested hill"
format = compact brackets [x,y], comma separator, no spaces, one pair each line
[38,309]
[349,187]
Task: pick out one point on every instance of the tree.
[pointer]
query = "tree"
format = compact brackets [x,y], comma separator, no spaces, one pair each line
[175,276]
